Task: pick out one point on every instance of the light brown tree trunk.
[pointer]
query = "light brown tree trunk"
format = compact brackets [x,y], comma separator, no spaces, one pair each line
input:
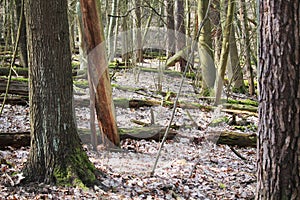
[137,33]
[56,153]
[278,164]
[224,51]
[235,74]
[98,70]
[205,51]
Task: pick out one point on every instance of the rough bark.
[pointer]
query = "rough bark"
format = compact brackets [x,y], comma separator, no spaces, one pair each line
[56,155]
[98,71]
[278,164]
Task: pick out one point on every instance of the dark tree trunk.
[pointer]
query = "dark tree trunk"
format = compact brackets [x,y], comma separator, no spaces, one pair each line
[170,28]
[23,39]
[56,155]
[180,30]
[278,175]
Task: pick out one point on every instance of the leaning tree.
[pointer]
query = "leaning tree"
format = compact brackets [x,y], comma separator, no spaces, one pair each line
[278,173]
[56,154]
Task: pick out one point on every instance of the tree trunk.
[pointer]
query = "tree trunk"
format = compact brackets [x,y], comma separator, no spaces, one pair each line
[137,32]
[23,39]
[205,51]
[235,74]
[56,155]
[246,38]
[111,27]
[278,173]
[180,30]
[170,28]
[98,71]
[224,51]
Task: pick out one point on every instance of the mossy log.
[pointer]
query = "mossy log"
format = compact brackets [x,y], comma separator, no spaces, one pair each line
[4,71]
[15,87]
[21,139]
[233,138]
[156,133]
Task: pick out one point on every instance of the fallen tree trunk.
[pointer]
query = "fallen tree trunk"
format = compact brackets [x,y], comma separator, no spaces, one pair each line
[4,71]
[22,139]
[15,87]
[233,138]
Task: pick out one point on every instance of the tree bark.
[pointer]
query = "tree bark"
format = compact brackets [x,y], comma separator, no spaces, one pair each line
[278,164]
[180,30]
[246,38]
[56,155]
[170,28]
[137,33]
[205,51]
[23,39]
[225,51]
[98,71]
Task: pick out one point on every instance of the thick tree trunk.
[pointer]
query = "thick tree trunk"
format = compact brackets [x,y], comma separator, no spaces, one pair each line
[98,71]
[278,173]
[56,155]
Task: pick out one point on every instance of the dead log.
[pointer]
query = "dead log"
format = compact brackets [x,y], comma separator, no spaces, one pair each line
[4,71]
[156,133]
[233,138]
[15,87]
[182,54]
[22,139]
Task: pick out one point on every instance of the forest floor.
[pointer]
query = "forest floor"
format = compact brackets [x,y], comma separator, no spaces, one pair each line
[187,168]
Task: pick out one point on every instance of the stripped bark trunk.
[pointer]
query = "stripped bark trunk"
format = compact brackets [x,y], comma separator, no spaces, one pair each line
[98,68]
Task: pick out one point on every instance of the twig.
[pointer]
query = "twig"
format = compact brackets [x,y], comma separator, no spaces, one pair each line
[237,153]
[194,42]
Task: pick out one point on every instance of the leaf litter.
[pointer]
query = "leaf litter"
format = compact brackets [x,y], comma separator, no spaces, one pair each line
[187,168]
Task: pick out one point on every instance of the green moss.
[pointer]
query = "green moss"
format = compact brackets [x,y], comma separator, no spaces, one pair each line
[250,127]
[20,79]
[81,83]
[207,92]
[75,64]
[218,121]
[76,171]
[243,101]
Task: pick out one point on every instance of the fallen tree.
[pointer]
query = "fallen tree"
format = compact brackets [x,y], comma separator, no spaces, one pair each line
[15,87]
[22,139]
